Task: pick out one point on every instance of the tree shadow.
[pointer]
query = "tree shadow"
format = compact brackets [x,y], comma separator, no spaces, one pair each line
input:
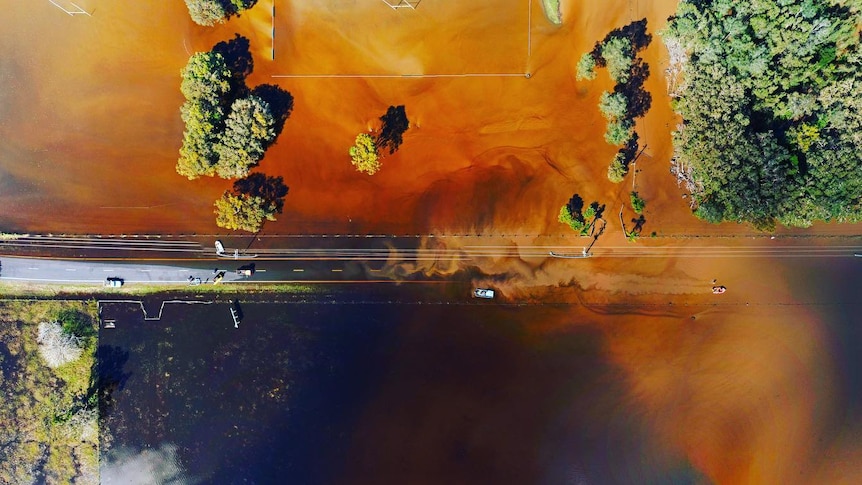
[280,103]
[395,123]
[576,206]
[639,100]
[271,189]
[598,209]
[237,56]
[638,224]
[630,150]
[107,376]
[635,32]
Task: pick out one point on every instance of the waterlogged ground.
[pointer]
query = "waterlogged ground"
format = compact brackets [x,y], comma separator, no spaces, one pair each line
[607,391]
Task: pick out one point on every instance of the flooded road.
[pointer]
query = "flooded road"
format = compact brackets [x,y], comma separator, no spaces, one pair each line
[753,388]
[617,383]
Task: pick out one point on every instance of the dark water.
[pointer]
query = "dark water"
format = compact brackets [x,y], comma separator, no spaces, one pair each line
[371,393]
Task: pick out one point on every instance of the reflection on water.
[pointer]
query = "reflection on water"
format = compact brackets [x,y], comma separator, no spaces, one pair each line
[377,393]
[369,393]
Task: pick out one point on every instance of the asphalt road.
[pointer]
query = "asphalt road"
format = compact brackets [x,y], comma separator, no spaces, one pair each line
[69,271]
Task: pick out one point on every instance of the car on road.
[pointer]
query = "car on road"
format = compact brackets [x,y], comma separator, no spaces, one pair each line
[218,277]
[483,293]
[245,270]
[114,282]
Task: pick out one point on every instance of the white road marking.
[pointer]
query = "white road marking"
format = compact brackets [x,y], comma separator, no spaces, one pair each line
[298,270]
[337,270]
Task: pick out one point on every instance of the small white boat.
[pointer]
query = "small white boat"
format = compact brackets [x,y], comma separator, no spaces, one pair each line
[483,293]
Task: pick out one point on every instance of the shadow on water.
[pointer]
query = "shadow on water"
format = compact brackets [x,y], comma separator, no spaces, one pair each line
[366,393]
[108,376]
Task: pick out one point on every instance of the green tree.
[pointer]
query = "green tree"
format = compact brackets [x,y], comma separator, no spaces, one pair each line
[364,155]
[242,212]
[249,129]
[613,106]
[207,12]
[212,12]
[619,56]
[638,204]
[586,67]
[775,76]
[619,132]
[617,170]
[253,200]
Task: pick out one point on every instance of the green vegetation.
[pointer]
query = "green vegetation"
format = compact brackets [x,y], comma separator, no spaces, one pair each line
[771,118]
[577,218]
[50,417]
[249,129]
[254,200]
[629,100]
[619,56]
[363,154]
[552,11]
[638,204]
[586,67]
[228,128]
[212,12]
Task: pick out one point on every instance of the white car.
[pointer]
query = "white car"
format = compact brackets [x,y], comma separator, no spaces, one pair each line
[483,293]
[114,282]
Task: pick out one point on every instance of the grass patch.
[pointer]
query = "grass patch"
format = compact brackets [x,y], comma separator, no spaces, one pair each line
[552,11]
[49,431]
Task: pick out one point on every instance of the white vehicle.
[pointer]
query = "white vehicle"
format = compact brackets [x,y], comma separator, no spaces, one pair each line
[114,282]
[219,247]
[483,293]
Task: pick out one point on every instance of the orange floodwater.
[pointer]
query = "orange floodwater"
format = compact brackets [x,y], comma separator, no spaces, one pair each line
[90,128]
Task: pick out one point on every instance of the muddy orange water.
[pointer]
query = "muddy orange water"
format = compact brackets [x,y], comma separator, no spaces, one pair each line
[89,133]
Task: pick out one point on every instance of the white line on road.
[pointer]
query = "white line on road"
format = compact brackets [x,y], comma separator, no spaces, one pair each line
[71,269]
[297,270]
[337,270]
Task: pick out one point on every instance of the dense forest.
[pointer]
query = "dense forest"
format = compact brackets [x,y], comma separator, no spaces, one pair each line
[772,118]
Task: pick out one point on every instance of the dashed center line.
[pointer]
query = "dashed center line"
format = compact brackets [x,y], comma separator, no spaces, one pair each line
[337,270]
[71,269]
[298,270]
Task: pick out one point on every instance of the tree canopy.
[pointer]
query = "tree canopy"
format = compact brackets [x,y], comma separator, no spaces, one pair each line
[253,201]
[212,12]
[248,132]
[228,127]
[363,154]
[771,119]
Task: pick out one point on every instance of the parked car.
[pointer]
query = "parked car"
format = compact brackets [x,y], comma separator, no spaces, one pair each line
[114,282]
[483,293]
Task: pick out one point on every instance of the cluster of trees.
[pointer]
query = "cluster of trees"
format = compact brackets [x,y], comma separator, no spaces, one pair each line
[618,52]
[228,126]
[212,12]
[365,152]
[579,219]
[253,200]
[771,118]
